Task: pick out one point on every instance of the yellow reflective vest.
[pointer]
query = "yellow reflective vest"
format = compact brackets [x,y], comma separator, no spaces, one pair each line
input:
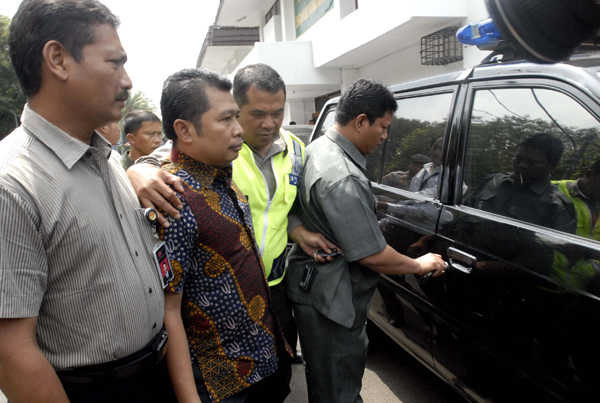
[581,272]
[270,217]
[585,228]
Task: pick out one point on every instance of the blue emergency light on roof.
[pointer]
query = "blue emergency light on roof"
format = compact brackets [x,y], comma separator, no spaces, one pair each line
[482,34]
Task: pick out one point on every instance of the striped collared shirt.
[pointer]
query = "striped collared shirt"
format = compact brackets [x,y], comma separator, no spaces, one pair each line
[75,249]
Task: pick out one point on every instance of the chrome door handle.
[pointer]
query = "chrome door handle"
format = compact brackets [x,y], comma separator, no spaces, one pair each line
[461,261]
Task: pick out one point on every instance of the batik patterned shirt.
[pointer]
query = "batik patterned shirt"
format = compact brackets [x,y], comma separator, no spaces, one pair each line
[232,332]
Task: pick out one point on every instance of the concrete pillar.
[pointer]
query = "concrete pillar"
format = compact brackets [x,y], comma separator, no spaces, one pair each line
[272,30]
[288,20]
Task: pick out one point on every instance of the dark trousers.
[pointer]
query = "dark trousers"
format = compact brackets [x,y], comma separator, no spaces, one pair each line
[335,357]
[283,309]
[150,385]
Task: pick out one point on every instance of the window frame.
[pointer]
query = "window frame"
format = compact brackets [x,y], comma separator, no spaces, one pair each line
[322,118]
[447,88]
[569,90]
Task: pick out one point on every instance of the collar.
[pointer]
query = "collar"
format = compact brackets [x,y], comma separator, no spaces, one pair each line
[66,147]
[206,175]
[127,157]
[537,187]
[574,190]
[430,169]
[428,166]
[277,146]
[349,148]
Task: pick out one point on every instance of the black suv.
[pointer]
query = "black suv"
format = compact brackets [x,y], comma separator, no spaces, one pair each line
[514,316]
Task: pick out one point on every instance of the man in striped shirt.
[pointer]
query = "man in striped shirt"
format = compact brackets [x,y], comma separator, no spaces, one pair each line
[81,303]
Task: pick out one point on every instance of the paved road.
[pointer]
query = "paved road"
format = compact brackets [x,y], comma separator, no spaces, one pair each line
[392,376]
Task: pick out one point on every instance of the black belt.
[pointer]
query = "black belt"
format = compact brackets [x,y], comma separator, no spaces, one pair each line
[112,371]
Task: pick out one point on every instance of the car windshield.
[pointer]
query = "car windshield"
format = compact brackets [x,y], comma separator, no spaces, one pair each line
[302,131]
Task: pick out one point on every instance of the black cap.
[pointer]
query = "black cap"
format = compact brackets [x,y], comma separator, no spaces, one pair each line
[420,159]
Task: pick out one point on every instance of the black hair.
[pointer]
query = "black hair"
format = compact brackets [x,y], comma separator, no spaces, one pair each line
[551,146]
[70,22]
[184,97]
[264,77]
[365,96]
[135,119]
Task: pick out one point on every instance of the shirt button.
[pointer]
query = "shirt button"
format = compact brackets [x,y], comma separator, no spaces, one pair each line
[150,290]
[154,325]
[121,215]
[136,254]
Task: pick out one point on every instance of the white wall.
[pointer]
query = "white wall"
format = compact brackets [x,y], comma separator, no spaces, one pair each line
[294,111]
[299,111]
[293,61]
[333,37]
[348,77]
[309,109]
[404,66]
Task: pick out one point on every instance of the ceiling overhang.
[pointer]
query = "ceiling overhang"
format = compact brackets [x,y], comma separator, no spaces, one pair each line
[394,40]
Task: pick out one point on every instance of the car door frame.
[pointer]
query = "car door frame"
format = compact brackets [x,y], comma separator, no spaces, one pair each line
[455,197]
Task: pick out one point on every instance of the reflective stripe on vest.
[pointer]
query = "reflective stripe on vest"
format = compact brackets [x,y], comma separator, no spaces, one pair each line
[270,217]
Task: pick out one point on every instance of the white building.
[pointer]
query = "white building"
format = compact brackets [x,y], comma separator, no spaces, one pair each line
[321,46]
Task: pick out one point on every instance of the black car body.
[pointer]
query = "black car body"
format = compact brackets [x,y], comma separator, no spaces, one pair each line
[513,317]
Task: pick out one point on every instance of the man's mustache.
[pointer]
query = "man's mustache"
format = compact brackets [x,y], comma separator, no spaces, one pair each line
[123,96]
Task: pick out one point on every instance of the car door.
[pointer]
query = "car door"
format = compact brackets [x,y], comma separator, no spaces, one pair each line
[408,218]
[515,311]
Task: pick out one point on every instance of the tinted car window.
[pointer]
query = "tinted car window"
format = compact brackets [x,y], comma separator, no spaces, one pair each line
[522,182]
[418,128]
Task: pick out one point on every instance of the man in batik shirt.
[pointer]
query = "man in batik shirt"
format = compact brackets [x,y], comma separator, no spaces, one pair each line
[219,295]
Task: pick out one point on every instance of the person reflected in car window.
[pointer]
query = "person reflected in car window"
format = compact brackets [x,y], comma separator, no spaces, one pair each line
[568,265]
[527,194]
[402,179]
[426,180]
[585,195]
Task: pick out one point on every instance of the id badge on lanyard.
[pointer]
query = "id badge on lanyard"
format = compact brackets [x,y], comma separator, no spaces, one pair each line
[163,264]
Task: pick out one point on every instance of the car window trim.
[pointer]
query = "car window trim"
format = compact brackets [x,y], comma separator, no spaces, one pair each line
[572,91]
[447,88]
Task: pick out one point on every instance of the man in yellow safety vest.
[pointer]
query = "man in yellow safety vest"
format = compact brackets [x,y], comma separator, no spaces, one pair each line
[267,171]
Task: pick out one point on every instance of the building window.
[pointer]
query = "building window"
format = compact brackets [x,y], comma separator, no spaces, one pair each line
[273,11]
[441,48]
